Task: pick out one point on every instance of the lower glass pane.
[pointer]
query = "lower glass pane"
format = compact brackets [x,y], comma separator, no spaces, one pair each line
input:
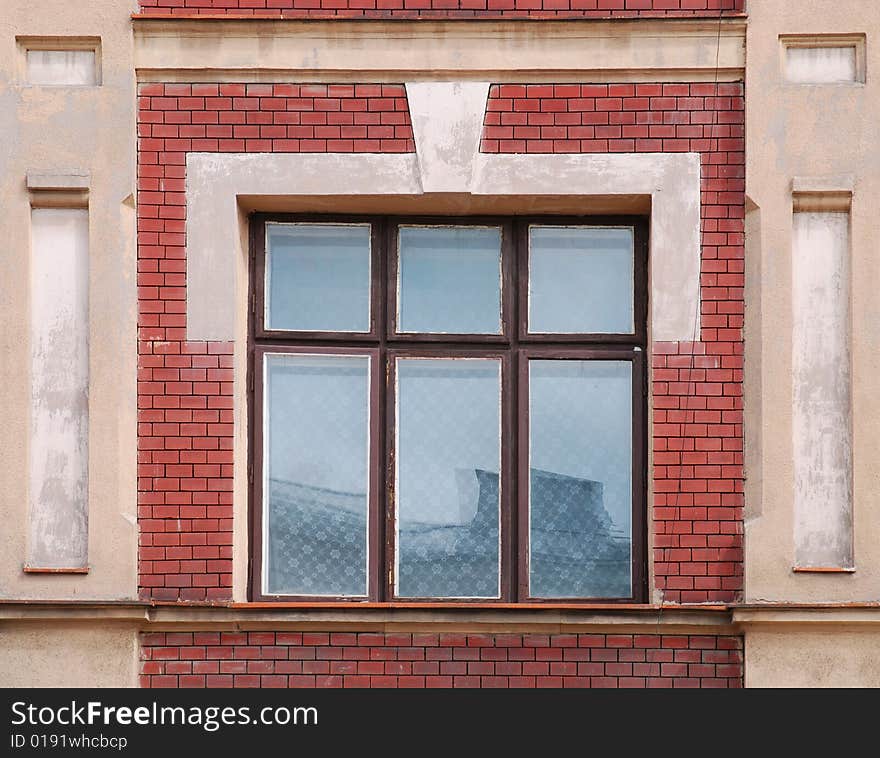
[580,478]
[448,453]
[316,480]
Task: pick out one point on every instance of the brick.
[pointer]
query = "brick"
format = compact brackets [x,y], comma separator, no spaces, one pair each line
[700,661]
[541,9]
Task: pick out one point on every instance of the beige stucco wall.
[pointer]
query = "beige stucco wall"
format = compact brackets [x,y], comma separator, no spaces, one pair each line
[803,658]
[68,655]
[827,133]
[54,130]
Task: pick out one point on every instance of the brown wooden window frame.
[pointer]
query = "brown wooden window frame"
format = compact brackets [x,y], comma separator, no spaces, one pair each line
[514,347]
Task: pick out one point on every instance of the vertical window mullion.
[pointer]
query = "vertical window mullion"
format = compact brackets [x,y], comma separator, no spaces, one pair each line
[522,477]
[639,526]
[379,574]
[509,503]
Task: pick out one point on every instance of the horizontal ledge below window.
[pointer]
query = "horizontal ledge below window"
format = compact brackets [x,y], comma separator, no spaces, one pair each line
[822,570]
[728,16]
[468,606]
[43,570]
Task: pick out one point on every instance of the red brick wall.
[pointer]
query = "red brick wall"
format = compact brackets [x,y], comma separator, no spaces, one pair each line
[445,8]
[185,388]
[184,398]
[366,659]
[696,385]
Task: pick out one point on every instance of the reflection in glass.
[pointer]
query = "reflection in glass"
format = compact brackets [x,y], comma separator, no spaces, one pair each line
[318,277]
[450,280]
[580,280]
[580,478]
[448,457]
[316,479]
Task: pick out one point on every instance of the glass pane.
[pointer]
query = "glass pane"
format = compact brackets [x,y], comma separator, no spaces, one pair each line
[450,280]
[580,478]
[448,459]
[580,280]
[318,277]
[316,474]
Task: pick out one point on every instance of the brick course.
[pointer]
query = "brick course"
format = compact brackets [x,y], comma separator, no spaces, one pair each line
[378,9]
[368,659]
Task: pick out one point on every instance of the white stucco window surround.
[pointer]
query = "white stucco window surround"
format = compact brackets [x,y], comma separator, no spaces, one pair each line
[447,122]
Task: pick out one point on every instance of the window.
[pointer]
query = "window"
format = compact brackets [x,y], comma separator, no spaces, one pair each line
[448,409]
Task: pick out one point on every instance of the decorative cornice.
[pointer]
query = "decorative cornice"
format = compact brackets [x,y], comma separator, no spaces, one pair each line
[493,50]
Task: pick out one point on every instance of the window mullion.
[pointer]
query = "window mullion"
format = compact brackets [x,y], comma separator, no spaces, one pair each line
[382,237]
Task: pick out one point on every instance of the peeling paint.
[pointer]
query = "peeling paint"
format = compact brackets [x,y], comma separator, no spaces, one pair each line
[447,121]
[58,522]
[821,374]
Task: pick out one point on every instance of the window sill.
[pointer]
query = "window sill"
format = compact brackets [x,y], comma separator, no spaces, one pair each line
[822,570]
[470,606]
[41,570]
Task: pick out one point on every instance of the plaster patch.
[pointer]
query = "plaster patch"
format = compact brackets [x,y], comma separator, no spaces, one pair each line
[822,382]
[58,534]
[447,121]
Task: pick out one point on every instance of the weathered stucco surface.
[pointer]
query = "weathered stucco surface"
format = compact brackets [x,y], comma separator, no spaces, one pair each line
[521,50]
[822,422]
[811,353]
[61,654]
[808,138]
[789,657]
[59,332]
[66,131]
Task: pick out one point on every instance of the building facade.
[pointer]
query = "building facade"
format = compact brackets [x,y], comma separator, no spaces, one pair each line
[421,344]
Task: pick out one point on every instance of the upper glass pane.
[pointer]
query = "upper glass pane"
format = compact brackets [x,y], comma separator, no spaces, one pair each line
[580,280]
[449,280]
[318,277]
[316,479]
[580,479]
[448,451]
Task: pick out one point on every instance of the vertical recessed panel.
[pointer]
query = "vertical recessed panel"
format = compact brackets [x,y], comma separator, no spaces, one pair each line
[59,388]
[580,478]
[315,479]
[62,67]
[448,450]
[821,376]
